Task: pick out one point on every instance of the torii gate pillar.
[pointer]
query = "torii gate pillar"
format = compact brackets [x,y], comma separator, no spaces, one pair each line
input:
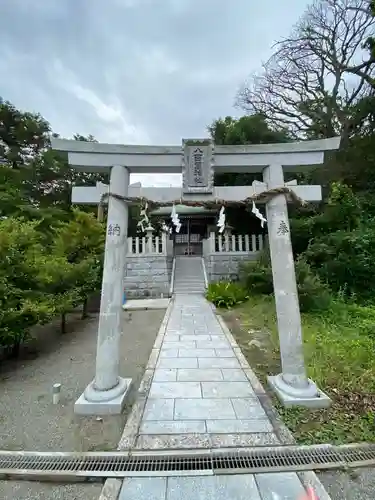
[291,386]
[106,394]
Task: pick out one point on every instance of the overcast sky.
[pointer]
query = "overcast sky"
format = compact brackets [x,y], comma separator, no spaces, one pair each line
[135,71]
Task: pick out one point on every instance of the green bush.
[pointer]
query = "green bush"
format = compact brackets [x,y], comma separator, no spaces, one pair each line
[226,294]
[22,304]
[256,276]
[39,281]
[313,293]
[346,260]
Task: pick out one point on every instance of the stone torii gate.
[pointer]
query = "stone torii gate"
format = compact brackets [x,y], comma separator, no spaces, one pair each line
[197,160]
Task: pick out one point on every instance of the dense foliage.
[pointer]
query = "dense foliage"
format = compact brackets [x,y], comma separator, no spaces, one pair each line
[51,253]
[333,242]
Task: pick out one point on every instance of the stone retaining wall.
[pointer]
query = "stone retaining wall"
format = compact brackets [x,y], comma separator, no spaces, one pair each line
[147,276]
[225,266]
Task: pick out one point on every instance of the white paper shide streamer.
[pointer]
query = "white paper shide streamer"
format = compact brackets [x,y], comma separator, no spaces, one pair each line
[260,216]
[166,229]
[221,221]
[175,219]
[145,221]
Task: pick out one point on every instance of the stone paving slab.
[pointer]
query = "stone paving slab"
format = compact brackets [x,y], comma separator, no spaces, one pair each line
[214,343]
[234,375]
[223,487]
[166,375]
[178,345]
[200,375]
[196,353]
[218,363]
[177,363]
[238,426]
[175,390]
[193,338]
[248,408]
[227,389]
[286,485]
[168,353]
[159,409]
[281,486]
[144,488]
[212,409]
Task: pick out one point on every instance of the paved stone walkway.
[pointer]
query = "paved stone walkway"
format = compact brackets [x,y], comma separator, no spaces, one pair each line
[200,397]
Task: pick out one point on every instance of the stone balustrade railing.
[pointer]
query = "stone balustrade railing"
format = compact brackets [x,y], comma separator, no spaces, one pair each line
[236,243]
[147,245]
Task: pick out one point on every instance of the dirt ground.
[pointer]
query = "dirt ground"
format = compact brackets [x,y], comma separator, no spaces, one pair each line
[28,419]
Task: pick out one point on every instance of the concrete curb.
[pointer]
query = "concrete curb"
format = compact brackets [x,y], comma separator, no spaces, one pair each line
[112,487]
[308,479]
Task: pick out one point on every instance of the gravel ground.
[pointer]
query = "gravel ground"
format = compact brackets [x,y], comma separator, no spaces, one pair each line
[29,420]
[43,491]
[345,486]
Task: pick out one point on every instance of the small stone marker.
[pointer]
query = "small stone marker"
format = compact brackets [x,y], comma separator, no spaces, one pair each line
[56,391]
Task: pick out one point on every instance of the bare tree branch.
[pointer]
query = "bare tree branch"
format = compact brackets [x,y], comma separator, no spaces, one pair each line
[318,73]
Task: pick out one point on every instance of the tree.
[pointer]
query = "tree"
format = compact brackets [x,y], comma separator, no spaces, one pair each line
[51,254]
[54,178]
[309,85]
[81,243]
[46,178]
[245,130]
[22,302]
[23,135]
[368,43]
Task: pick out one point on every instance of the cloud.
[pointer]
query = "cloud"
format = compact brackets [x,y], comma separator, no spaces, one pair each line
[119,126]
[135,71]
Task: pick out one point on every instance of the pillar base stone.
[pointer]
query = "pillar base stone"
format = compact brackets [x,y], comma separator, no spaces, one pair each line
[110,402]
[309,397]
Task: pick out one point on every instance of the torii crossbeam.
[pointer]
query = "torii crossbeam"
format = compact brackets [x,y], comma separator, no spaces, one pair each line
[198,160]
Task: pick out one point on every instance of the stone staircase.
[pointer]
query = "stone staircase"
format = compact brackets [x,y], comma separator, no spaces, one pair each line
[189,276]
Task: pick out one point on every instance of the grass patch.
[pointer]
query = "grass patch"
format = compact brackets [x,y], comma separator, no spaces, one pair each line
[339,347]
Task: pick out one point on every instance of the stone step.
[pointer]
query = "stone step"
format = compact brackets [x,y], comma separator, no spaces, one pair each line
[198,286]
[189,276]
[188,279]
[193,285]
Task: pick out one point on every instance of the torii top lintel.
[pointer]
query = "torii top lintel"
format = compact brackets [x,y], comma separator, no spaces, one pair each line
[99,157]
